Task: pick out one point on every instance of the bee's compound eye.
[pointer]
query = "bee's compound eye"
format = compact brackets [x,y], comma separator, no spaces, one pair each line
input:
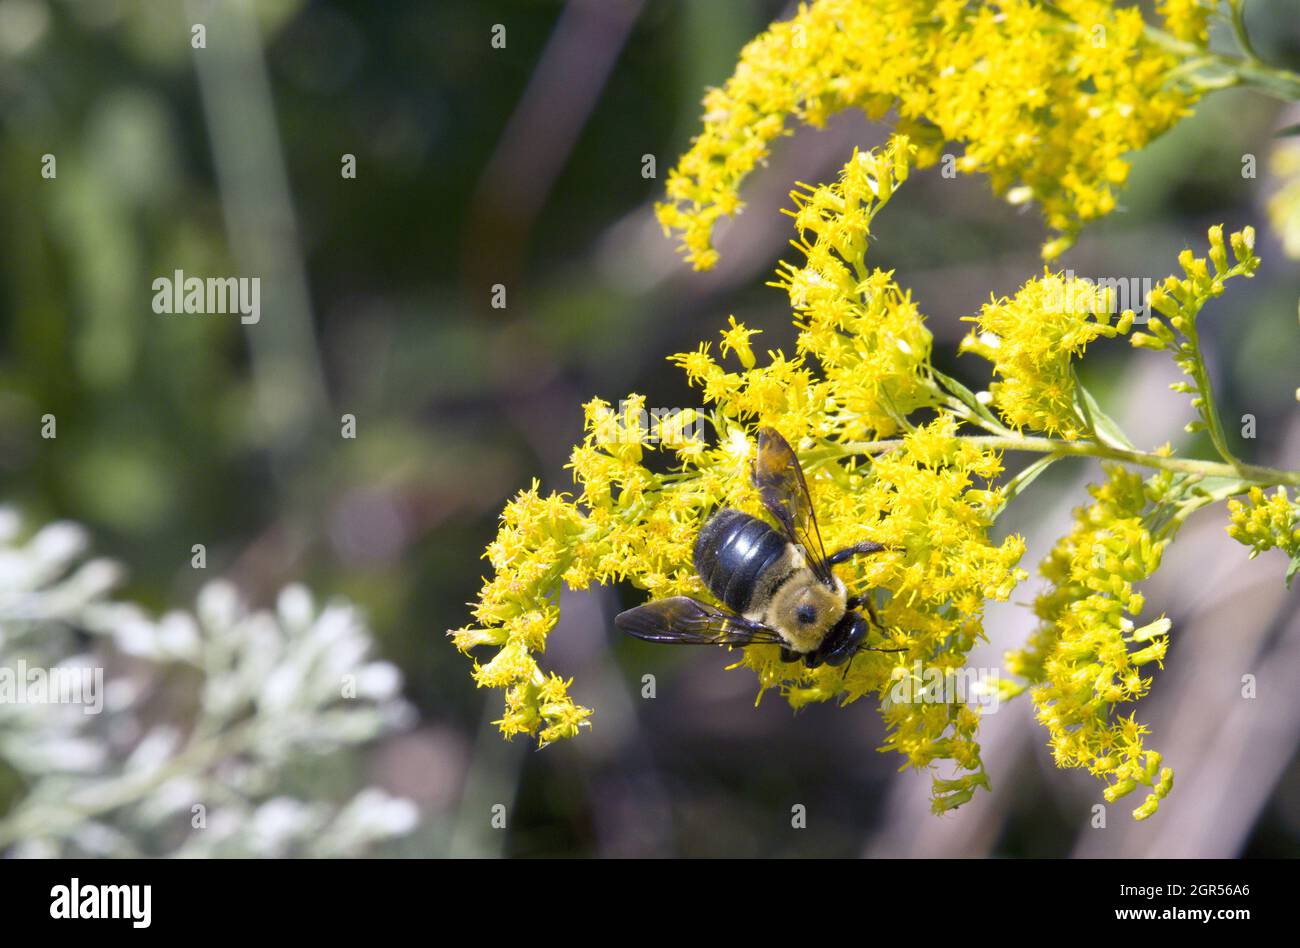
[806,614]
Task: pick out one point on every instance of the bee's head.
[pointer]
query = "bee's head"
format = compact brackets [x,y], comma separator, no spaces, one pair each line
[852,630]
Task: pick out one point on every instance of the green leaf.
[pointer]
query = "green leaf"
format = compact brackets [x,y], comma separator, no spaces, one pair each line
[965,396]
[1289,132]
[1024,478]
[1108,432]
[1220,487]
[1292,569]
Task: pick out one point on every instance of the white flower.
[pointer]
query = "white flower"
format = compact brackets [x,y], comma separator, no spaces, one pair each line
[196,730]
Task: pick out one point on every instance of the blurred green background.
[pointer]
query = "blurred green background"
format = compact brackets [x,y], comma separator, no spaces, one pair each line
[522,166]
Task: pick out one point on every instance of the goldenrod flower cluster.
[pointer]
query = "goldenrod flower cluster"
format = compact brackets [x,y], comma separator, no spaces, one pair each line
[516,610]
[1180,301]
[864,332]
[1045,99]
[1265,523]
[860,366]
[863,329]
[1188,20]
[1087,657]
[1032,338]
[848,399]
[932,502]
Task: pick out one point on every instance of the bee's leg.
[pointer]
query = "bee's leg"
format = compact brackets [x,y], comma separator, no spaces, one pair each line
[871,613]
[864,602]
[848,666]
[789,655]
[858,549]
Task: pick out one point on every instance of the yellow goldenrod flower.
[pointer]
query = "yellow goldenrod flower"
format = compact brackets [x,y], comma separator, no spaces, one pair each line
[923,501]
[1045,100]
[861,366]
[1032,340]
[518,607]
[1188,19]
[1266,522]
[1086,658]
[1180,301]
[860,383]
[736,339]
[861,327]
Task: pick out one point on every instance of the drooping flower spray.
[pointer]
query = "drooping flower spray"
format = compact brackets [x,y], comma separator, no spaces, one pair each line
[1046,99]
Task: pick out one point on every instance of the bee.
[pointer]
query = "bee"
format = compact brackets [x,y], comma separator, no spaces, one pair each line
[776,584]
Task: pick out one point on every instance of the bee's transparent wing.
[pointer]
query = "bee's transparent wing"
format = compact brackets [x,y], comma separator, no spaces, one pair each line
[685,621]
[781,485]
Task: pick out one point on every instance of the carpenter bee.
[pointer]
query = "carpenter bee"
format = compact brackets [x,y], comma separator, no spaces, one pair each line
[777,585]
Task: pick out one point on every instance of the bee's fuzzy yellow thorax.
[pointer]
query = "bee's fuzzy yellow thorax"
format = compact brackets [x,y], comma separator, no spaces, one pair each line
[801,591]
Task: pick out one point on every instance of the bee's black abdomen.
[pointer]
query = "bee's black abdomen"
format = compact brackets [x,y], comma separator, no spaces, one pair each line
[732,552]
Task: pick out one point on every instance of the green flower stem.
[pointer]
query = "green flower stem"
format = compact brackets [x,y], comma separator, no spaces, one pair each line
[1246,71]
[1238,8]
[1193,504]
[1255,474]
[1209,408]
